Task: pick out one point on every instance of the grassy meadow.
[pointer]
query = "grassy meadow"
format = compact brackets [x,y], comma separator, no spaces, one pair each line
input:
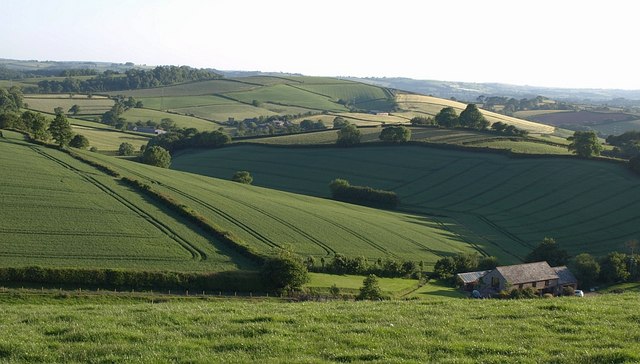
[505,206]
[145,329]
[95,105]
[57,211]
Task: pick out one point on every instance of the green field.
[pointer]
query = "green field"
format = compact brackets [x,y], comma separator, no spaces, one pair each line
[508,204]
[57,211]
[152,329]
[109,140]
[268,219]
[88,106]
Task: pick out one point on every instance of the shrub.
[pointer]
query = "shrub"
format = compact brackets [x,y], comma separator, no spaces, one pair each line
[126,149]
[242,177]
[93,149]
[157,156]
[395,134]
[341,190]
[79,141]
[568,291]
[370,289]
[284,272]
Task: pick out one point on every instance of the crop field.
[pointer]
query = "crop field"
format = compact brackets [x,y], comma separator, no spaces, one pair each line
[617,128]
[190,89]
[88,106]
[288,95]
[269,219]
[109,140]
[99,328]
[582,117]
[507,204]
[526,114]
[57,211]
[181,121]
[431,106]
[524,147]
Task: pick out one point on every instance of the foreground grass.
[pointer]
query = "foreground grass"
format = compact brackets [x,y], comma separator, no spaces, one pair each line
[147,329]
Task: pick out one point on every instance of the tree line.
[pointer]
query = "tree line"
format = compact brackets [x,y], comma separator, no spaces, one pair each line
[130,80]
[341,190]
[341,264]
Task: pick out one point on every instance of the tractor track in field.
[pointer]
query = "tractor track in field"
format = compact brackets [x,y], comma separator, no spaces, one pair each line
[92,257]
[71,233]
[225,216]
[328,250]
[196,254]
[446,180]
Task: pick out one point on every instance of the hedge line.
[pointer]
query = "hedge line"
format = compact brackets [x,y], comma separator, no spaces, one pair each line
[229,281]
[226,237]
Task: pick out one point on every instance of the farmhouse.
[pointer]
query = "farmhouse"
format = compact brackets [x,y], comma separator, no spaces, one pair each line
[150,130]
[539,276]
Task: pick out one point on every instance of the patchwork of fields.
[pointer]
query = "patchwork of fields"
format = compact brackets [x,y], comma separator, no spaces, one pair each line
[57,211]
[508,205]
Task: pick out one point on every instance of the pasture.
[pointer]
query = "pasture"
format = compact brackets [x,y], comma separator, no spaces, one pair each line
[95,105]
[182,121]
[109,140]
[268,219]
[99,328]
[506,205]
[59,212]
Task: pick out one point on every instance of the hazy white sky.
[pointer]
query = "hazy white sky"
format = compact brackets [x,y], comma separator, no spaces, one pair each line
[562,43]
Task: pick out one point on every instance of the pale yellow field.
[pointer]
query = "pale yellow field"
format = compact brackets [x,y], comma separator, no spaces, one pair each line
[528,113]
[47,103]
[432,105]
[109,140]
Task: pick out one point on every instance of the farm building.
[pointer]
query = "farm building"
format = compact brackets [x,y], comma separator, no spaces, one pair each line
[142,129]
[539,275]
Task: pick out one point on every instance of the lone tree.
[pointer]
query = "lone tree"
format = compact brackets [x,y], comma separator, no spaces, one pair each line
[285,272]
[586,269]
[370,289]
[126,149]
[395,134]
[548,250]
[447,117]
[585,144]
[339,122]
[157,156]
[471,117]
[75,109]
[79,141]
[242,177]
[60,130]
[349,135]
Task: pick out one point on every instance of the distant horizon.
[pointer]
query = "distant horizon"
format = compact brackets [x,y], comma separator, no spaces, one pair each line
[336,76]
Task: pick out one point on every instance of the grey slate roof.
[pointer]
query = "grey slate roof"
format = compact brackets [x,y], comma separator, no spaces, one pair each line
[471,277]
[566,277]
[525,273]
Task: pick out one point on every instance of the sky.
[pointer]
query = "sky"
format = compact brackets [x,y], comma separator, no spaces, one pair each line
[559,43]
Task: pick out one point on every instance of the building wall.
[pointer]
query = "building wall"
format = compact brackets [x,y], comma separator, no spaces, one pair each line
[486,280]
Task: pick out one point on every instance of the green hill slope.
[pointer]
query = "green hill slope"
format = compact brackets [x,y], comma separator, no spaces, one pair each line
[57,211]
[508,204]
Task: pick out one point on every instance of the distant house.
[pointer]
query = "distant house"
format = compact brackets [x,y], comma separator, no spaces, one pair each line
[539,276]
[149,130]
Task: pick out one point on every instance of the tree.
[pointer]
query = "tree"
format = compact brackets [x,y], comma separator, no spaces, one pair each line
[339,122]
[58,110]
[285,272]
[60,130]
[585,144]
[370,289]
[242,177]
[586,269]
[548,250]
[445,267]
[395,134]
[79,141]
[157,156]
[447,117]
[487,263]
[421,120]
[75,109]
[349,135]
[471,117]
[613,268]
[126,149]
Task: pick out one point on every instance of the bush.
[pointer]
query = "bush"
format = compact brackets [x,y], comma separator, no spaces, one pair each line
[341,190]
[157,156]
[79,141]
[126,149]
[242,177]
[93,149]
[370,289]
[395,134]
[568,291]
[348,135]
[284,272]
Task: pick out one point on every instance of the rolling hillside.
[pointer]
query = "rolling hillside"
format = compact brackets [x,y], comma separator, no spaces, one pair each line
[509,205]
[57,211]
